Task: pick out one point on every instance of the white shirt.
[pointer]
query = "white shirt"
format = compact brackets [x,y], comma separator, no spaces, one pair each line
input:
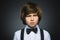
[32,35]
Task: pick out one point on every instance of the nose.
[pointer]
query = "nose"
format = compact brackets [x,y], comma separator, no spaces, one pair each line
[32,18]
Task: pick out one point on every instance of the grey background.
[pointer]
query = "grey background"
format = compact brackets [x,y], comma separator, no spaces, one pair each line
[11,22]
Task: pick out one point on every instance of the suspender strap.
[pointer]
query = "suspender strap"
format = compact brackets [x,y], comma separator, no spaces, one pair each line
[42,35]
[22,34]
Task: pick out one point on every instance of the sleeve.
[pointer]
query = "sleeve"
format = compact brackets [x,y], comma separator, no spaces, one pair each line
[46,35]
[15,36]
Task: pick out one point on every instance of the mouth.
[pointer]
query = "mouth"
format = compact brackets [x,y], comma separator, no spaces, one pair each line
[32,23]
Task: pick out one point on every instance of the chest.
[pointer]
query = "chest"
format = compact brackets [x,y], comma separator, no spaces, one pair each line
[32,36]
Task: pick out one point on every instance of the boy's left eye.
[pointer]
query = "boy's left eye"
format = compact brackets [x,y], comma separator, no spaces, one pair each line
[28,16]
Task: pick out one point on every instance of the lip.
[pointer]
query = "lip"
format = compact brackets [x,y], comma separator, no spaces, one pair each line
[31,23]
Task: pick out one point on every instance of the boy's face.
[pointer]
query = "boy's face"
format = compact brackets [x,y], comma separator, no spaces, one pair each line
[31,20]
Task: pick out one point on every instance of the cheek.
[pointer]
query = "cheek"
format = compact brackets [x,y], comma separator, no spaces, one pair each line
[27,20]
[36,19]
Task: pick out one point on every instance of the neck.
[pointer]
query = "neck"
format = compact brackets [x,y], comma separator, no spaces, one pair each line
[31,27]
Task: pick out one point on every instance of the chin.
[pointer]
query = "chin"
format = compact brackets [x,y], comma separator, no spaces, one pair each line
[32,26]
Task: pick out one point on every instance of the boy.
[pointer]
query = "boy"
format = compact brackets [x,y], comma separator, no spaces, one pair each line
[31,16]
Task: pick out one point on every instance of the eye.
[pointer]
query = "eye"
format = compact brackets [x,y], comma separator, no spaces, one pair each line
[28,16]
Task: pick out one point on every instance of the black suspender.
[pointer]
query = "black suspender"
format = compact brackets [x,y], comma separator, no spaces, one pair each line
[22,34]
[42,34]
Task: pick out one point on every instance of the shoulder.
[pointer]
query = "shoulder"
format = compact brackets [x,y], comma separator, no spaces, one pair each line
[17,32]
[46,32]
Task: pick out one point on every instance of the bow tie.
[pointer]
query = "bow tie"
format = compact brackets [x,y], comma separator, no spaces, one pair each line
[29,30]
